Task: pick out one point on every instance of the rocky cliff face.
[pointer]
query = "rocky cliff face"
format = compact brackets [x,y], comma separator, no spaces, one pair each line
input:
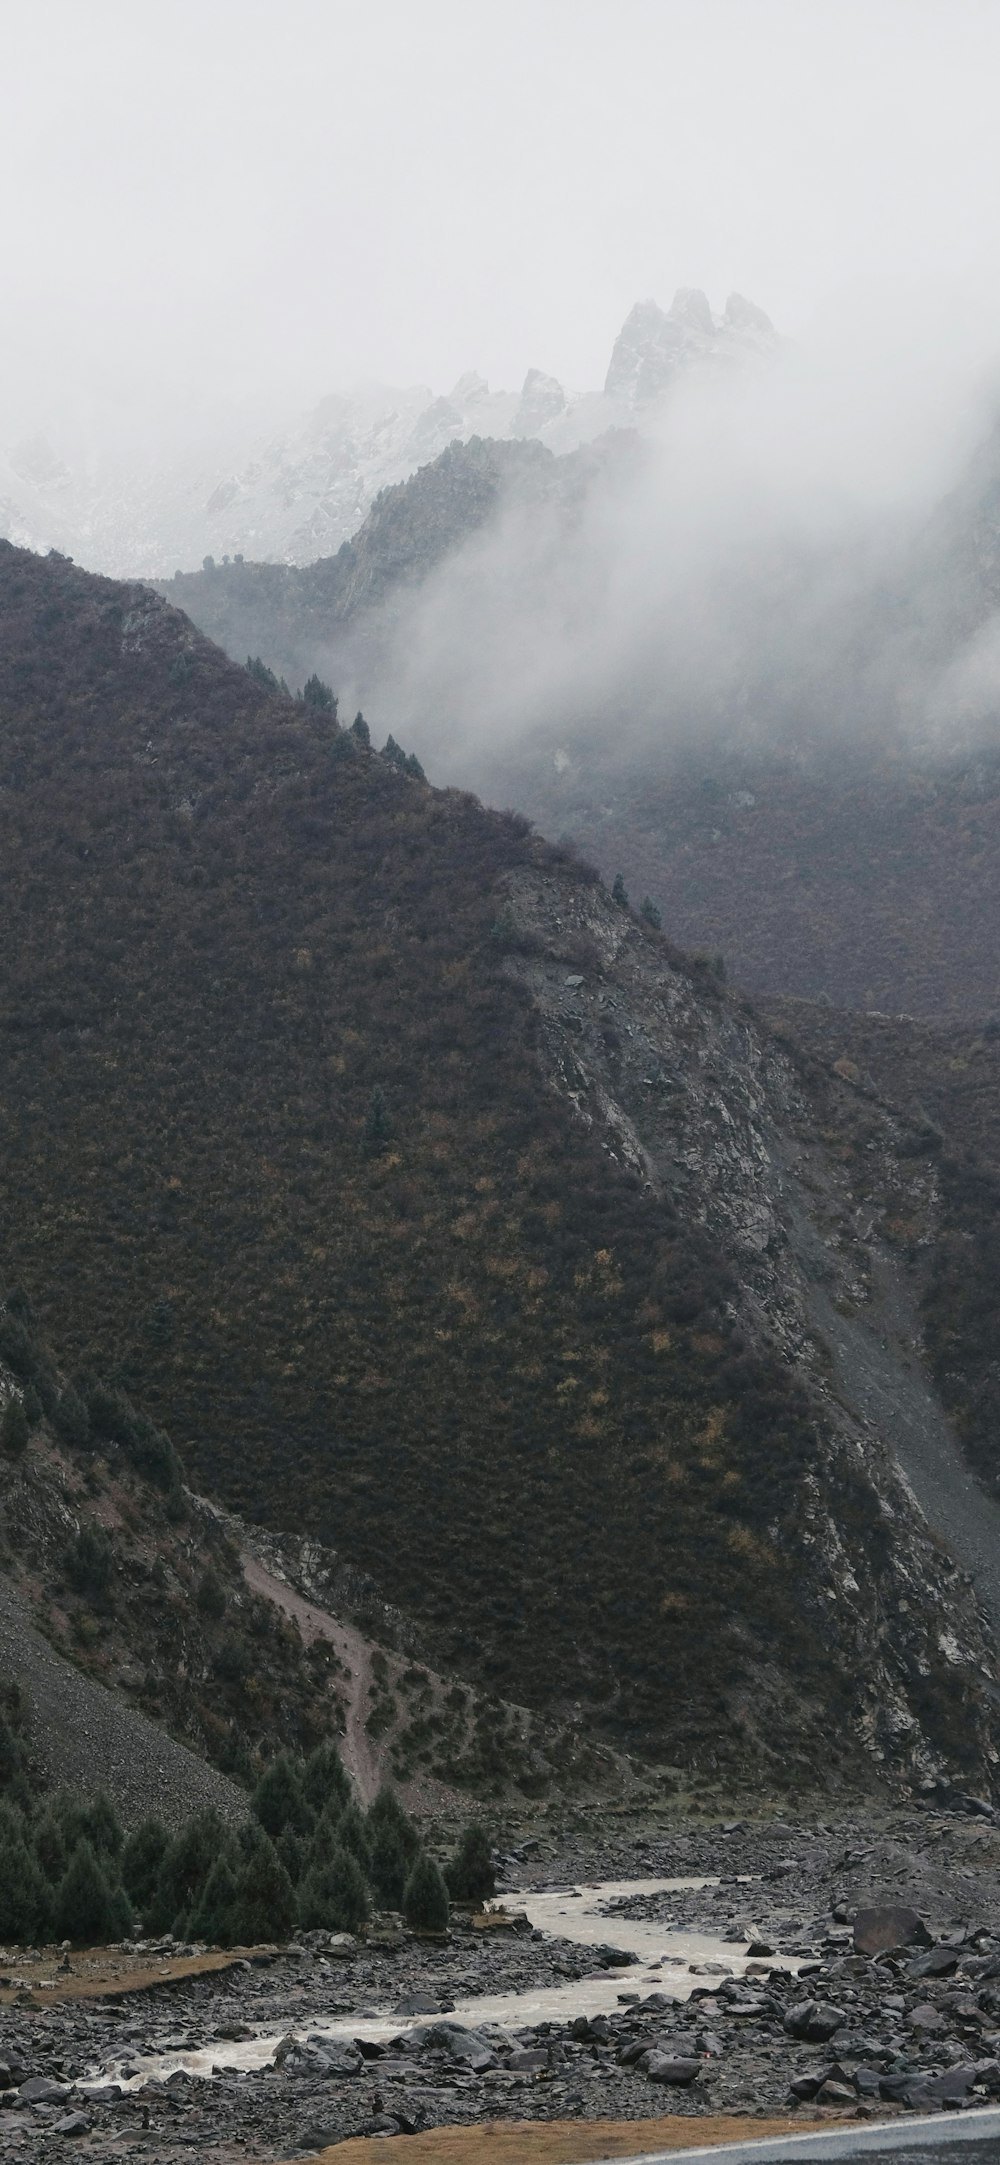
[690,1093]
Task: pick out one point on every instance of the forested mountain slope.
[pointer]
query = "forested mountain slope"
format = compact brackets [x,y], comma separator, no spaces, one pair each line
[815,797]
[445,1211]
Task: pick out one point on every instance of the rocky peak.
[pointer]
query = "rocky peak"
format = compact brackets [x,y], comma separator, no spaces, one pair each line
[654,345]
[542,399]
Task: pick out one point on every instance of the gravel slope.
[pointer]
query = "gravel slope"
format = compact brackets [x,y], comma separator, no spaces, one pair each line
[83,1735]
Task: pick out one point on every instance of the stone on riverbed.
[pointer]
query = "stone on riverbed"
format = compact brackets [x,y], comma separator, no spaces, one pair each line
[681,2073]
[880,1931]
[807,2019]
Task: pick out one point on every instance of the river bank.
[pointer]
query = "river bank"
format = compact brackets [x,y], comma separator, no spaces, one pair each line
[739,1992]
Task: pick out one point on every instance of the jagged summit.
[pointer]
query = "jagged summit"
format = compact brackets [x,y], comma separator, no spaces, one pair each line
[654,346]
[297,494]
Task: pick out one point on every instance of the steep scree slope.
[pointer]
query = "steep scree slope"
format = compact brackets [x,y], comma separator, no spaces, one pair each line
[532,1345]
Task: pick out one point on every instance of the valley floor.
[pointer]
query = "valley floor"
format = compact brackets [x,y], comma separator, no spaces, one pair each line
[854,2035]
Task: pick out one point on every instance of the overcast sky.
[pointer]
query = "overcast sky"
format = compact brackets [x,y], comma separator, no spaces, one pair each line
[232,197]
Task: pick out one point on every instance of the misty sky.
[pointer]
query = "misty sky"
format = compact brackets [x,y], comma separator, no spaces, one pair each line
[220,200]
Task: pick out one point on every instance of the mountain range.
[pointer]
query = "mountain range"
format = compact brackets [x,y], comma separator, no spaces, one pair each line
[297,493]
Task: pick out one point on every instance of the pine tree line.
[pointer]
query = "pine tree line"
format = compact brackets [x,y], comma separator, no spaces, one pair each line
[308,1857]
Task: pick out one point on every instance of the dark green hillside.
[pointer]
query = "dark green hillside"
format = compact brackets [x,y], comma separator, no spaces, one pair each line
[275,1145]
[825,840]
[865,875]
[287,613]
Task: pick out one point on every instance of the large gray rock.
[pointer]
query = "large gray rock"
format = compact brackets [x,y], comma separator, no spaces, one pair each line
[815,2023]
[679,2073]
[468,2047]
[41,2090]
[880,1930]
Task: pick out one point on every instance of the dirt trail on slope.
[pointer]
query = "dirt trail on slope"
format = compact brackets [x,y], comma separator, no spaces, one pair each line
[350,1647]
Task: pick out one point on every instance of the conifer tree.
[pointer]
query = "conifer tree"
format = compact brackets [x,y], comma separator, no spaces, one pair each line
[648,910]
[325,1837]
[389,1867]
[142,1859]
[187,1861]
[352,1834]
[278,1800]
[619,891]
[264,1902]
[317,694]
[469,1874]
[49,1845]
[213,1915]
[25,1895]
[100,1825]
[334,1896]
[387,1807]
[325,1779]
[85,1909]
[425,1897]
[293,1849]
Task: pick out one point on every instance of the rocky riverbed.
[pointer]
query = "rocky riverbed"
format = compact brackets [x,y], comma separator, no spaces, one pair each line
[782,2005]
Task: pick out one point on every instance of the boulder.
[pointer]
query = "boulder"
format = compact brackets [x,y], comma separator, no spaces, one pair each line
[340,2064]
[879,1931]
[938,1962]
[679,2073]
[40,2090]
[926,2018]
[468,2047]
[809,2020]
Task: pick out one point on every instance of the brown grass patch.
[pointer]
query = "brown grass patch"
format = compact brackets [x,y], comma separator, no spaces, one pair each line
[107,1973]
[556,2142]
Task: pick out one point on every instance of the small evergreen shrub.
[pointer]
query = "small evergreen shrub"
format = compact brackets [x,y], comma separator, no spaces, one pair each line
[210,1598]
[89,1561]
[71,1420]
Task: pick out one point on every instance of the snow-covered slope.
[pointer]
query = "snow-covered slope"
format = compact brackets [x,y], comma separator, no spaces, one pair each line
[296,496]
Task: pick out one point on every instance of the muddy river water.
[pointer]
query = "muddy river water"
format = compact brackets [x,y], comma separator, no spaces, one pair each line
[669,1961]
